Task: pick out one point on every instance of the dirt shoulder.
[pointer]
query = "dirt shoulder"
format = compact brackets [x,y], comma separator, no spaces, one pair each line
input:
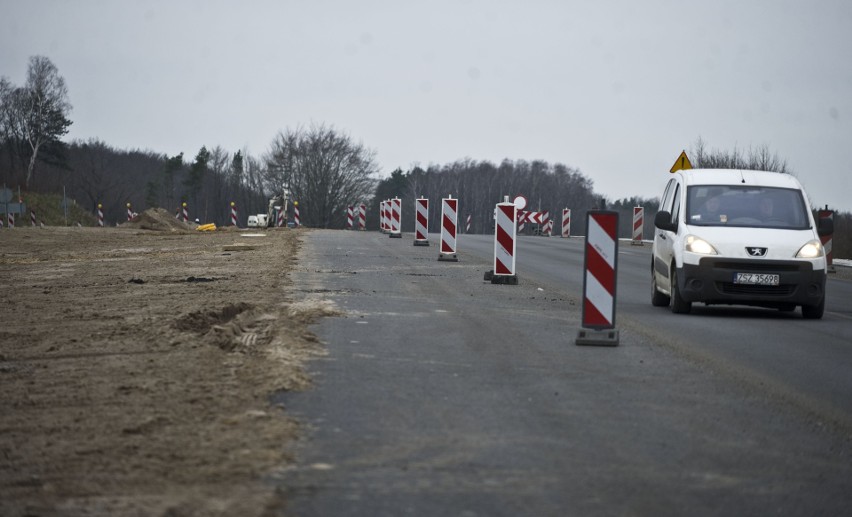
[137,366]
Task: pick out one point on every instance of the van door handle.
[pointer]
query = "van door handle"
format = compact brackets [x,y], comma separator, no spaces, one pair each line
[662,236]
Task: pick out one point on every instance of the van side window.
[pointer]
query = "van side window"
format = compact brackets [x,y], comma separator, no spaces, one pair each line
[665,203]
[676,205]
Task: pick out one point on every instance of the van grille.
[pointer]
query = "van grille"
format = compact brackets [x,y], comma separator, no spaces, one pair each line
[756,290]
[761,266]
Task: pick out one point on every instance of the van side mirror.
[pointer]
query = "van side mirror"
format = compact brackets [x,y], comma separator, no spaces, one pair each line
[825,226]
[663,221]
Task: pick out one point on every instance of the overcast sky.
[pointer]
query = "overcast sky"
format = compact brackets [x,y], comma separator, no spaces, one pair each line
[614,88]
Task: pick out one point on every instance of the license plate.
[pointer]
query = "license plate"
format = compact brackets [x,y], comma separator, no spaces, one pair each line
[756,279]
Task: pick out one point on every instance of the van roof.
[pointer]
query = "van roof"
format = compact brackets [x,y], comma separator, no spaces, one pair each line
[739,177]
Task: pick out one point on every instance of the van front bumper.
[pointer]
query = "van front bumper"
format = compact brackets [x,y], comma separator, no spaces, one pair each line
[712,282]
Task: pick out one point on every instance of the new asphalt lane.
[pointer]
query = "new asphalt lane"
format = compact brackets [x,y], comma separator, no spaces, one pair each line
[442,394]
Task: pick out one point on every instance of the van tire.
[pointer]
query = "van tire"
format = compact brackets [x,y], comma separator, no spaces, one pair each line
[658,299]
[814,312]
[678,304]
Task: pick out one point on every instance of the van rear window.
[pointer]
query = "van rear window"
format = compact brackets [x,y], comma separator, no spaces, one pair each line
[747,206]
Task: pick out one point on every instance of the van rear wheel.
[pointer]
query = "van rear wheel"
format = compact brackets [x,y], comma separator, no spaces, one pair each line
[678,304]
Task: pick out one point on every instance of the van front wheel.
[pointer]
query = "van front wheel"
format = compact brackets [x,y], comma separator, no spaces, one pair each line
[814,312]
[678,304]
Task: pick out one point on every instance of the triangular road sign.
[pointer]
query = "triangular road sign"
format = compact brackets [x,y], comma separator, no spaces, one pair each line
[682,163]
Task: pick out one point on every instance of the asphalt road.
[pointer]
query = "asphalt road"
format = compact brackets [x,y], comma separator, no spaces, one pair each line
[443,394]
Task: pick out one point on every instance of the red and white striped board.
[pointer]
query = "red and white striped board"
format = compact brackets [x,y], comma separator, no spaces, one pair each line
[505,245]
[32,218]
[421,222]
[467,224]
[129,212]
[233,214]
[177,213]
[185,213]
[11,220]
[449,229]
[526,216]
[546,224]
[599,281]
[638,225]
[383,216]
[362,217]
[566,223]
[396,218]
[100,215]
[350,217]
[297,219]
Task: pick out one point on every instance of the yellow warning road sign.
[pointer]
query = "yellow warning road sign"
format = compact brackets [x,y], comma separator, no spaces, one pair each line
[682,163]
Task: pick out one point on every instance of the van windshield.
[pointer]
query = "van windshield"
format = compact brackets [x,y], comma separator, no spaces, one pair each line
[747,206]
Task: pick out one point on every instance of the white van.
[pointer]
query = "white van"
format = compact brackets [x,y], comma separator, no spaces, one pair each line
[738,237]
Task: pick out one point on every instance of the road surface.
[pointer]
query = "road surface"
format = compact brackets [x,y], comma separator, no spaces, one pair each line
[442,394]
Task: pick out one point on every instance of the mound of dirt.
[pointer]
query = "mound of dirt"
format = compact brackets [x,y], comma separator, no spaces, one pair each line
[159,220]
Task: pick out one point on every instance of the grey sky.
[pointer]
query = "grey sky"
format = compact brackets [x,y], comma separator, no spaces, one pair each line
[615,88]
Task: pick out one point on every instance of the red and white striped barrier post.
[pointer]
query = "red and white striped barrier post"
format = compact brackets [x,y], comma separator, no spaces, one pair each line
[566,223]
[599,282]
[638,225]
[467,224]
[350,217]
[384,216]
[421,222]
[826,240]
[522,220]
[297,220]
[233,214]
[129,212]
[396,218]
[505,244]
[100,215]
[32,218]
[362,217]
[547,224]
[185,212]
[449,229]
[11,220]
[177,213]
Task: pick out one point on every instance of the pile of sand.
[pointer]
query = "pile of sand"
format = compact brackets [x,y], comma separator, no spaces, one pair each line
[158,219]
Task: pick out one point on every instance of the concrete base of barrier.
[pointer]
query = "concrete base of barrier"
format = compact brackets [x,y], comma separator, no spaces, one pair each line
[421,243]
[448,257]
[500,279]
[395,235]
[589,337]
[637,243]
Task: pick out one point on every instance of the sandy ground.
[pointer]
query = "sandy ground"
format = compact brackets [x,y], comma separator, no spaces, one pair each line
[136,369]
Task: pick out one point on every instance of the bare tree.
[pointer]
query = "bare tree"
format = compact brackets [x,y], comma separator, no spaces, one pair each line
[35,114]
[325,171]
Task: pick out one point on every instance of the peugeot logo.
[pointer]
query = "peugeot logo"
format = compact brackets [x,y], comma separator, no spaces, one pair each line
[756,252]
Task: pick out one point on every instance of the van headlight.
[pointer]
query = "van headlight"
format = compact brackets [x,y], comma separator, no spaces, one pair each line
[698,245]
[812,249]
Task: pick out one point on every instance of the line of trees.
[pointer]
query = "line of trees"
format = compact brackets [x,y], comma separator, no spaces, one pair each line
[480,185]
[319,166]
